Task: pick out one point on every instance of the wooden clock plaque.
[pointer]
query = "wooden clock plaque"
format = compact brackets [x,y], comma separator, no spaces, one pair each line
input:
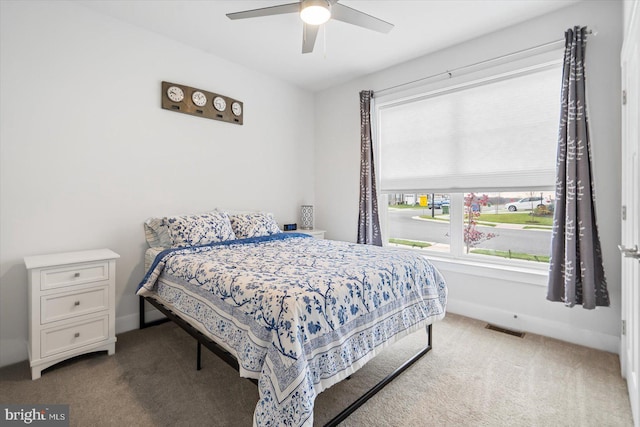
[197,102]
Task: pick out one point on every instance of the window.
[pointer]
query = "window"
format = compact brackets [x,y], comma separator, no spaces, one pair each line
[469,170]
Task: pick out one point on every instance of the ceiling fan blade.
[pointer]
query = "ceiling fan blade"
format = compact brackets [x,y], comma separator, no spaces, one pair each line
[266,11]
[351,16]
[309,35]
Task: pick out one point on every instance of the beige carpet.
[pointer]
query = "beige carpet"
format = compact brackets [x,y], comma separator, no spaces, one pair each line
[472,377]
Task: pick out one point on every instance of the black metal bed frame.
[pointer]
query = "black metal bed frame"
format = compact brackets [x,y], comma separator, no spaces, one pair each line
[233,362]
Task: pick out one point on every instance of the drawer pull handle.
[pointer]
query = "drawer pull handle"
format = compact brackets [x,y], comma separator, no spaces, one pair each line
[76,335]
[76,275]
[77,303]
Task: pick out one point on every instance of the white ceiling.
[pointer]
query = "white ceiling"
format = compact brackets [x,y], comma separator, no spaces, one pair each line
[273,44]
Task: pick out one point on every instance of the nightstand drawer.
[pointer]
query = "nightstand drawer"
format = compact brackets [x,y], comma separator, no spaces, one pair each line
[68,337]
[74,274]
[63,306]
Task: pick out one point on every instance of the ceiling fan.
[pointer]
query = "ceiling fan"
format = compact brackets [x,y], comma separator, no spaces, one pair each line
[315,13]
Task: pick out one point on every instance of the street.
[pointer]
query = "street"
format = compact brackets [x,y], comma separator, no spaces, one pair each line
[402,226]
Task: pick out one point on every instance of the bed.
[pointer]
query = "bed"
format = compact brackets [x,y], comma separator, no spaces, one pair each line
[295,314]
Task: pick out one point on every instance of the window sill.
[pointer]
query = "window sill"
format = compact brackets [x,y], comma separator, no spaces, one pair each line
[529,275]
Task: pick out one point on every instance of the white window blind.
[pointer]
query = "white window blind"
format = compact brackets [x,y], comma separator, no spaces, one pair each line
[496,135]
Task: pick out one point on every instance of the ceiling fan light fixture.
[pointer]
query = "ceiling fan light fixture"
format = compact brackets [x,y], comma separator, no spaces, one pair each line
[315,12]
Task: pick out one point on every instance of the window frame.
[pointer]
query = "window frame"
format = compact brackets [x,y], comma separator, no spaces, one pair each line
[457,253]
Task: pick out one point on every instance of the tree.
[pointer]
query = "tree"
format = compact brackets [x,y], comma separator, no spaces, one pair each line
[472,207]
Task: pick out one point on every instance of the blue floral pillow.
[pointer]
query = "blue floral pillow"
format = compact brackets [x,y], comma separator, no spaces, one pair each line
[254,225]
[195,230]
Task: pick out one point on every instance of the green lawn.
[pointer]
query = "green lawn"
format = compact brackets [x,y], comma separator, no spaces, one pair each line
[511,255]
[436,218]
[412,243]
[505,218]
[502,254]
[517,218]
[404,206]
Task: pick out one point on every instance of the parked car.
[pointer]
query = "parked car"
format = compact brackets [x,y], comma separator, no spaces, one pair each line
[436,203]
[527,204]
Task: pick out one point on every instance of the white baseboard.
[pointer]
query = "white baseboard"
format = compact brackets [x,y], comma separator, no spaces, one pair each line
[132,321]
[536,325]
[14,350]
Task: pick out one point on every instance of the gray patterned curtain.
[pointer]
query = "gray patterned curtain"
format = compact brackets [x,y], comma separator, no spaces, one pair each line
[576,274]
[368,221]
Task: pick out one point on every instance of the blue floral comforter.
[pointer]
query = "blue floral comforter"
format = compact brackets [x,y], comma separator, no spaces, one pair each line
[300,314]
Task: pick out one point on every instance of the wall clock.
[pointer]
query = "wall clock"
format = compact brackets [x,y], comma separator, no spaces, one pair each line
[199,98]
[175,93]
[236,109]
[198,102]
[219,103]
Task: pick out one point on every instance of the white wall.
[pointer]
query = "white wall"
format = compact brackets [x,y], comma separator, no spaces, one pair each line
[87,154]
[628,6]
[485,294]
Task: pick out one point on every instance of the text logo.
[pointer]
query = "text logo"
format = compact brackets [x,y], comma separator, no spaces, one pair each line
[34,415]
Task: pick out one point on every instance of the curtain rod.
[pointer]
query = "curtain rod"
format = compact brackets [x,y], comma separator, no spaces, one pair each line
[486,61]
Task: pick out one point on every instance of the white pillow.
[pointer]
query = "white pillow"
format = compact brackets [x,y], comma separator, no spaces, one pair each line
[156,233]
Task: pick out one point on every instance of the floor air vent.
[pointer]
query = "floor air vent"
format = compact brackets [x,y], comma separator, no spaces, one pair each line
[505,331]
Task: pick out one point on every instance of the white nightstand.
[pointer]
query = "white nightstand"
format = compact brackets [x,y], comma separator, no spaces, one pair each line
[318,234]
[71,306]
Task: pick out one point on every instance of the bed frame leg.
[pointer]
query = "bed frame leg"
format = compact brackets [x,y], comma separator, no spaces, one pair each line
[199,357]
[143,322]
